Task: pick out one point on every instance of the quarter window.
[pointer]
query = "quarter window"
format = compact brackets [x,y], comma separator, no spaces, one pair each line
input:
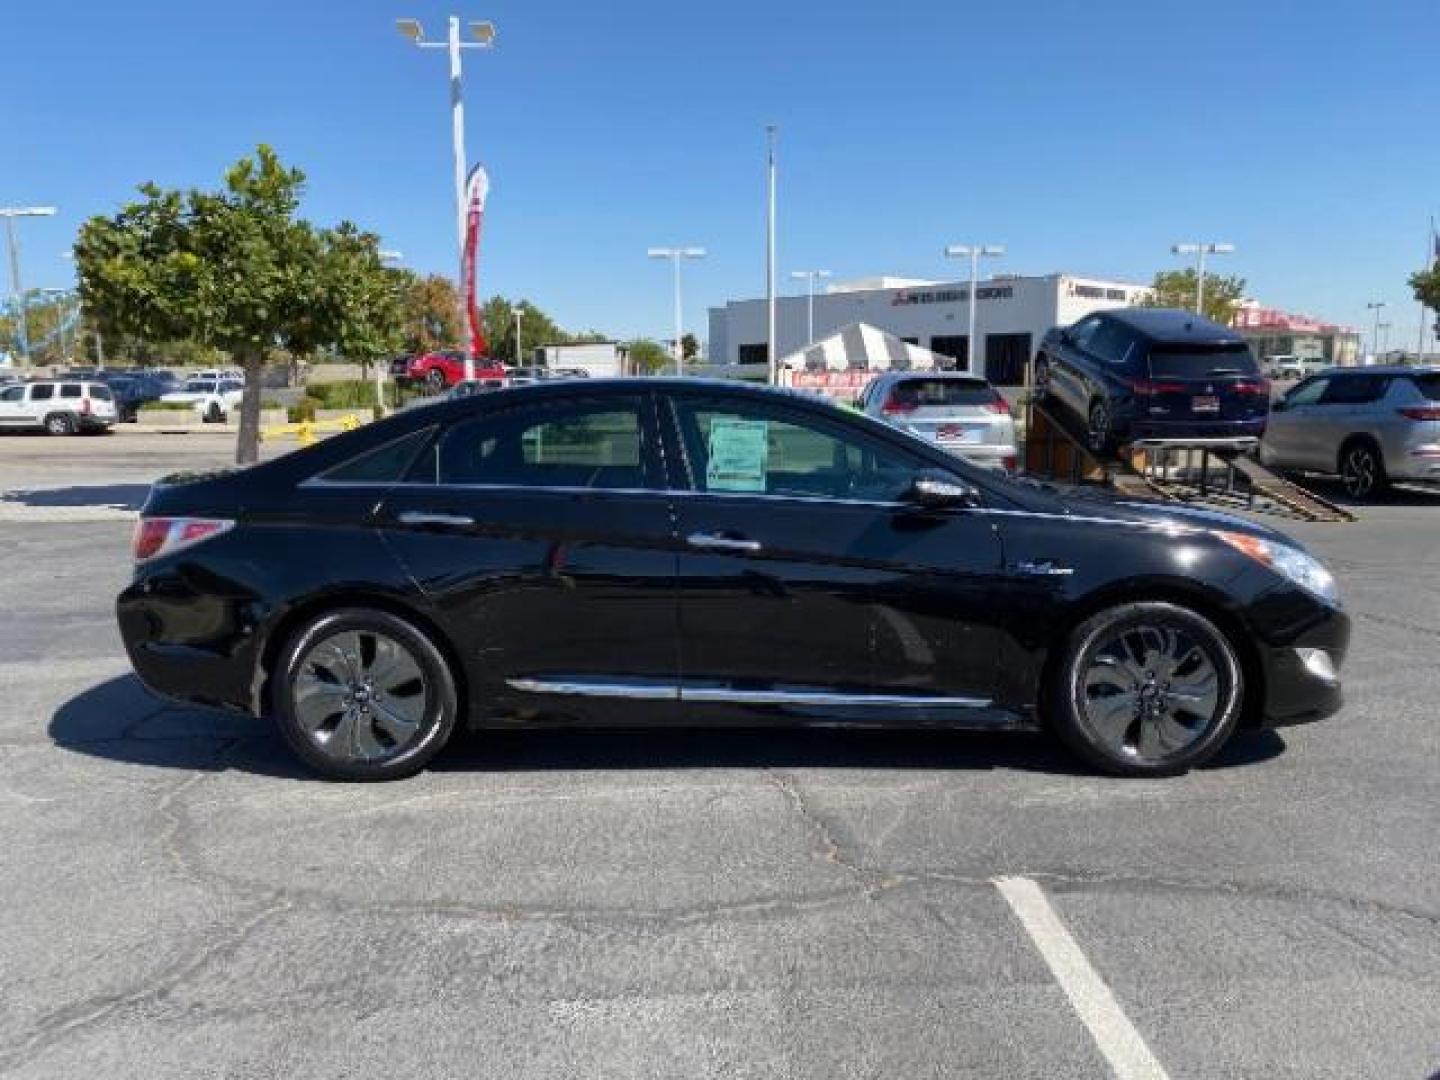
[744,448]
[385,464]
[598,444]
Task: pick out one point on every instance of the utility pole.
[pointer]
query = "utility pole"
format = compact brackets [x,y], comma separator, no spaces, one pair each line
[484,35]
[22,323]
[676,254]
[1375,306]
[771,356]
[973,252]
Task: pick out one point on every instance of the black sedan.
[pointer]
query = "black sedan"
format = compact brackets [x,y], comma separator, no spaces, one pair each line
[654,551]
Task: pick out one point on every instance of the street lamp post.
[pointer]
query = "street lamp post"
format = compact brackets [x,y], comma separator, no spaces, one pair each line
[484,35]
[22,327]
[809,276]
[1384,329]
[1375,306]
[973,252]
[518,354]
[388,257]
[1200,251]
[675,254]
[771,356]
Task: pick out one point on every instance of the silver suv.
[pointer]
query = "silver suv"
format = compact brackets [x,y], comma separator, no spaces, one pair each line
[1368,425]
[958,412]
[57,406]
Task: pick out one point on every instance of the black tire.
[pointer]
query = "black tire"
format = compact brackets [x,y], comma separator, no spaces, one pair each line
[437,713]
[1041,389]
[1362,469]
[60,424]
[435,380]
[1164,720]
[214,414]
[1100,428]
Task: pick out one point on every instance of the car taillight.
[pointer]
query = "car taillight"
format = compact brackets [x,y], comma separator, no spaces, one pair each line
[895,407]
[999,406]
[166,535]
[1254,388]
[1147,388]
[1421,412]
[1010,462]
[85,406]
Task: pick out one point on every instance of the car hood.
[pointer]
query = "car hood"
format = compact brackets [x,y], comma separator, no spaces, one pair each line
[1100,503]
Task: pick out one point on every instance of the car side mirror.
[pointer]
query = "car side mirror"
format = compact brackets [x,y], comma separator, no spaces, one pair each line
[940,491]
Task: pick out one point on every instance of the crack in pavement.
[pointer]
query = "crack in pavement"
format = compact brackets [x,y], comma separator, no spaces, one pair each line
[831,850]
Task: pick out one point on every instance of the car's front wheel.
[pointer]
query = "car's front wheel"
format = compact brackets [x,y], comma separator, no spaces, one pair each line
[435,380]
[1147,689]
[362,694]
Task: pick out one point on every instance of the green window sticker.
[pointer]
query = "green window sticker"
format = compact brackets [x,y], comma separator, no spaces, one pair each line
[739,455]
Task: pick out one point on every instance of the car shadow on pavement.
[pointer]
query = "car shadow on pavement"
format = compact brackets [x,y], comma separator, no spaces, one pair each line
[112,496]
[119,720]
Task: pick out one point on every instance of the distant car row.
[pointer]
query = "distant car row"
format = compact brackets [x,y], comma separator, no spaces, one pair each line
[445,370]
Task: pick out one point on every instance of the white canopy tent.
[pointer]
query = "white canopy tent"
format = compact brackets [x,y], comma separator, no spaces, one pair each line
[862,347]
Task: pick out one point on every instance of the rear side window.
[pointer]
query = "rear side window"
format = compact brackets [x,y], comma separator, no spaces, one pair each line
[1201,361]
[42,392]
[70,390]
[576,445]
[1429,385]
[385,464]
[1355,389]
[932,393]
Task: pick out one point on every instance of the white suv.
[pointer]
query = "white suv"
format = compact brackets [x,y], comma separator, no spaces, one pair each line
[57,406]
[213,399]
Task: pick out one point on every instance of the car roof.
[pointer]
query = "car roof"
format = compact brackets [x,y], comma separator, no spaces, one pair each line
[1173,326]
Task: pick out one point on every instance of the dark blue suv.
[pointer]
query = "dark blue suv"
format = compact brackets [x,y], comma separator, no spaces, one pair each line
[1153,373]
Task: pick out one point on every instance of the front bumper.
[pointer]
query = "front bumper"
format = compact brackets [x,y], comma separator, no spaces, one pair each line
[1302,680]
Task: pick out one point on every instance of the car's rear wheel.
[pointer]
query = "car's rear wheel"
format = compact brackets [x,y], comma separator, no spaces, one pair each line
[1099,428]
[1147,689]
[362,694]
[1362,469]
[214,414]
[435,379]
[60,424]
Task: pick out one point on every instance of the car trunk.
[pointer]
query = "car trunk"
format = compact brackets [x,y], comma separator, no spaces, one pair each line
[1200,383]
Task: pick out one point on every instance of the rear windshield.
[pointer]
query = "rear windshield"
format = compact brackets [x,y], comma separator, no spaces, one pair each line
[1429,385]
[929,393]
[1200,361]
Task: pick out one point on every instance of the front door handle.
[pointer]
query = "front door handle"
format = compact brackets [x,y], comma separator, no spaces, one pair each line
[425,517]
[718,542]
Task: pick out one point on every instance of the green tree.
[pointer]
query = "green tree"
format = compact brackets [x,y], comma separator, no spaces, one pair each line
[536,328]
[430,313]
[647,357]
[1176,289]
[1426,285]
[236,269]
[689,346]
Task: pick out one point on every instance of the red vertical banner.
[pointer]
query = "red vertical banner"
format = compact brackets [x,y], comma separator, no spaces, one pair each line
[477,188]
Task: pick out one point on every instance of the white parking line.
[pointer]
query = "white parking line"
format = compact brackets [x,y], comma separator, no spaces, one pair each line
[1111,1029]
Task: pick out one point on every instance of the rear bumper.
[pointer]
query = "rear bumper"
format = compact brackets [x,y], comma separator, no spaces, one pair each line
[1143,427]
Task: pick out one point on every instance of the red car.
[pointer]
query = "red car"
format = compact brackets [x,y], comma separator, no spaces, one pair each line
[441,370]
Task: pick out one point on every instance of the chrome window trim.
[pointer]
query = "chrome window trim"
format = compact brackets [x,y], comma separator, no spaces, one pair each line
[732,696]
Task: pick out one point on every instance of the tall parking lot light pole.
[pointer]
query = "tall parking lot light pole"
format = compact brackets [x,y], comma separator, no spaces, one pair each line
[484,35]
[1200,251]
[1375,306]
[22,326]
[675,255]
[809,277]
[771,356]
[1384,330]
[973,252]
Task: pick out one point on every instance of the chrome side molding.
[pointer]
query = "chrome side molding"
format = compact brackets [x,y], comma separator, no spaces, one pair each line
[736,696]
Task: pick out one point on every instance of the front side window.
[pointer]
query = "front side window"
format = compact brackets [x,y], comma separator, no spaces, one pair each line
[12,393]
[758,449]
[599,444]
[231,386]
[1307,393]
[100,392]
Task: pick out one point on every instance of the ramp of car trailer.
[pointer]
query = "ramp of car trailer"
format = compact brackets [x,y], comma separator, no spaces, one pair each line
[1215,471]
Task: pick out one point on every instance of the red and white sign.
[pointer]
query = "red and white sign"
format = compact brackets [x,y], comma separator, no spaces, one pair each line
[477,189]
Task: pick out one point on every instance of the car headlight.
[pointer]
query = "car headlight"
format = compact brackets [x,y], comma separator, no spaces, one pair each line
[1289,562]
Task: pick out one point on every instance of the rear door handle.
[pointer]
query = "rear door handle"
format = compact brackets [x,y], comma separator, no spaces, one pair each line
[1043,568]
[425,517]
[717,542]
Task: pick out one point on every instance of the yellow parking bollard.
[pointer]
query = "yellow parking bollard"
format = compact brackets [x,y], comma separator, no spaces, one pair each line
[305,433]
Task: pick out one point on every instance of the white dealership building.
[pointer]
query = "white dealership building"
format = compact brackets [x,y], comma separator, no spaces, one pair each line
[1013,313]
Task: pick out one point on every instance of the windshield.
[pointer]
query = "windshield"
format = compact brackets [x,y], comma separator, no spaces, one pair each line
[1200,361]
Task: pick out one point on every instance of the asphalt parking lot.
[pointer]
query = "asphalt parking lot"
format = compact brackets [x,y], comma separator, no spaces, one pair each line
[183,901]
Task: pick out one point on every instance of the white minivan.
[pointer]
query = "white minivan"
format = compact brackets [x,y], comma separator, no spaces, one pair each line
[56,406]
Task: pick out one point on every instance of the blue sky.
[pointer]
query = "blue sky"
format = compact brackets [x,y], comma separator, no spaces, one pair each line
[1086,137]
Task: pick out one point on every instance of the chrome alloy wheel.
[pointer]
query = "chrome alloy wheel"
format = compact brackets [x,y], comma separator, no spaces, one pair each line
[360,696]
[1359,472]
[1150,692]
